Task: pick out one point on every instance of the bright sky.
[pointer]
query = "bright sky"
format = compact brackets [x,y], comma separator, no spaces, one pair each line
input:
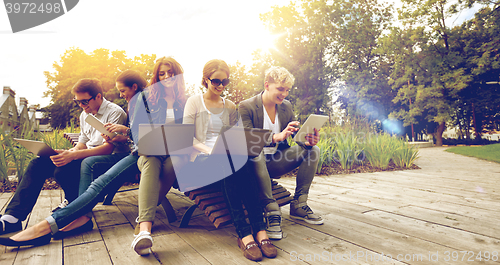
[193,32]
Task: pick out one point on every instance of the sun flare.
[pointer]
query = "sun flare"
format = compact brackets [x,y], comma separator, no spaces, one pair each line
[266,41]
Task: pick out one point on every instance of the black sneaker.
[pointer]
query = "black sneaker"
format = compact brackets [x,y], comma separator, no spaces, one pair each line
[7,227]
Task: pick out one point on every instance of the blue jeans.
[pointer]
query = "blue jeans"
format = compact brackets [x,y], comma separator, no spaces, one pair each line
[95,192]
[94,166]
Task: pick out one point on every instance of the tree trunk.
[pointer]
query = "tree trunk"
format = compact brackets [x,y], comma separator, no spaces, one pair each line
[439,134]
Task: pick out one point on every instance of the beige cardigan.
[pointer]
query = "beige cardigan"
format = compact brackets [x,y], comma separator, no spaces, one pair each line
[194,113]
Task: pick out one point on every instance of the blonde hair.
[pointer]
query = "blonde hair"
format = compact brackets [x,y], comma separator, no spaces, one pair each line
[280,75]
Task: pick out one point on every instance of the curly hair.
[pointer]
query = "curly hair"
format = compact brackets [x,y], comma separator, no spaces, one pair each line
[156,88]
[277,74]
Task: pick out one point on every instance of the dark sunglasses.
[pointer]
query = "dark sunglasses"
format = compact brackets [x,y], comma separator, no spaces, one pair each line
[84,102]
[217,82]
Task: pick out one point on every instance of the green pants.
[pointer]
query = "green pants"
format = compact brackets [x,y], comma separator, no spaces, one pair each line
[157,177]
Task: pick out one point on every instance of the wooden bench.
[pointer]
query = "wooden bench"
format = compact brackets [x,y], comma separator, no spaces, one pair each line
[208,199]
[72,138]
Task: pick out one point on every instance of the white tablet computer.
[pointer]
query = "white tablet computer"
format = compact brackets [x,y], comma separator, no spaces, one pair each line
[313,121]
[36,147]
[98,125]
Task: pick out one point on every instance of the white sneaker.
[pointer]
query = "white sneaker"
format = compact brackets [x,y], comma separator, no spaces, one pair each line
[61,205]
[142,243]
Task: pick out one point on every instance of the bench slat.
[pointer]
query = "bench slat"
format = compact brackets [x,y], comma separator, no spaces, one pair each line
[211,201]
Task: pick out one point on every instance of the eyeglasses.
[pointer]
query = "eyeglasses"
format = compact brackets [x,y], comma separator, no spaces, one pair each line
[84,102]
[217,82]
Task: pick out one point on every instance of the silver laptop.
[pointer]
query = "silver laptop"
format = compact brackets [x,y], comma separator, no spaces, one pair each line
[37,147]
[239,141]
[165,139]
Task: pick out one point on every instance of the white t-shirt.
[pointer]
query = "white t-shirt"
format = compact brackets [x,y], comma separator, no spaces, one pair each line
[170,116]
[274,127]
[214,125]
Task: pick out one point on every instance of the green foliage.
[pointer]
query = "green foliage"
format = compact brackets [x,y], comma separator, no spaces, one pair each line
[4,147]
[438,70]
[355,143]
[380,149]
[14,155]
[363,67]
[76,64]
[56,140]
[344,144]
[240,87]
[415,71]
[478,42]
[347,149]
[20,155]
[327,148]
[404,154]
[488,152]
[301,46]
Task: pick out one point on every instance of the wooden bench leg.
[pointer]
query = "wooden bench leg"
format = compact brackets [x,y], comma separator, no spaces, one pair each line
[169,210]
[187,216]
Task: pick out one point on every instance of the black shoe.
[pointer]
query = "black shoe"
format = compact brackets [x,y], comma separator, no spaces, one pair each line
[88,226]
[43,240]
[7,227]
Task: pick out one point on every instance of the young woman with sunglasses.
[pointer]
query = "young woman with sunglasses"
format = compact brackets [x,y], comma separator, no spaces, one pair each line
[210,112]
[130,84]
[167,97]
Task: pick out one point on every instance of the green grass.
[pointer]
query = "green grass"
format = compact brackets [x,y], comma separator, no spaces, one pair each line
[487,152]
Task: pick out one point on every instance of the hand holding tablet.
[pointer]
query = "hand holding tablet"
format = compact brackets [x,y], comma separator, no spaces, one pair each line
[98,125]
[313,122]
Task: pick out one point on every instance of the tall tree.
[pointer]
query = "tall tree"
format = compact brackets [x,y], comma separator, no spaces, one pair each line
[434,77]
[240,87]
[478,40]
[302,47]
[364,70]
[76,64]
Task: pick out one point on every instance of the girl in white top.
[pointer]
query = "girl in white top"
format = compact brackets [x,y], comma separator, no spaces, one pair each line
[210,112]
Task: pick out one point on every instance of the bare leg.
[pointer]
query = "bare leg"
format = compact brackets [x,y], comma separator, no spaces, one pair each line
[261,235]
[75,224]
[33,232]
[145,226]
[247,239]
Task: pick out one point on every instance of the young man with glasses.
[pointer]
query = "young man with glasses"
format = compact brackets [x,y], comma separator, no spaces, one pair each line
[270,110]
[65,166]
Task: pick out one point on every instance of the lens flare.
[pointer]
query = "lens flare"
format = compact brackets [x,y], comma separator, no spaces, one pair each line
[392,126]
